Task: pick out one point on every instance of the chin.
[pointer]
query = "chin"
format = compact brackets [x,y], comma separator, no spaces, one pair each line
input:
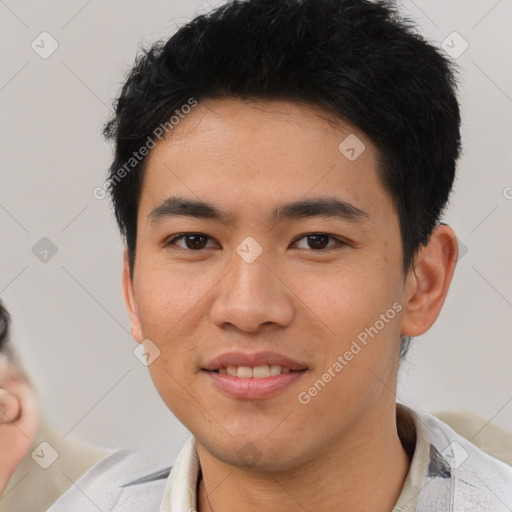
[257,453]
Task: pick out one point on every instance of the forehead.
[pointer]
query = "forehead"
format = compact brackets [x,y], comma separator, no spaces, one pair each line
[250,154]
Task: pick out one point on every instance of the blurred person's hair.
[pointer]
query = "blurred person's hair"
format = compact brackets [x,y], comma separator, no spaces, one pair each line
[5,321]
[6,349]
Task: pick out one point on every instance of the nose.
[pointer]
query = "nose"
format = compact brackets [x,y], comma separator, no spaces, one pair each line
[252,297]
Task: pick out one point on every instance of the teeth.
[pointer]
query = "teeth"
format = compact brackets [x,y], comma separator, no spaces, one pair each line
[244,372]
[276,370]
[258,372]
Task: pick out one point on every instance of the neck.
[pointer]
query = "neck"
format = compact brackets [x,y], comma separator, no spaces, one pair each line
[364,470]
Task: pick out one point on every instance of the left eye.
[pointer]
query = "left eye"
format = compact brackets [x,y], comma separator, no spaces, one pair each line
[319,241]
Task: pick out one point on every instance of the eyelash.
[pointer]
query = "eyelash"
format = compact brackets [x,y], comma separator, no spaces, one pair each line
[172,241]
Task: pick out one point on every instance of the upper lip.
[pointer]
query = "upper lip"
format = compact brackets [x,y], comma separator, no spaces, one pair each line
[252,359]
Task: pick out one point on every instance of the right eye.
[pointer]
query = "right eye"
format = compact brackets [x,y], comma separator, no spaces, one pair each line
[189,241]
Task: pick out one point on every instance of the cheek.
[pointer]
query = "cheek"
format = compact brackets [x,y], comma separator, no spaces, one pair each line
[348,298]
[172,386]
[164,296]
[169,310]
[350,306]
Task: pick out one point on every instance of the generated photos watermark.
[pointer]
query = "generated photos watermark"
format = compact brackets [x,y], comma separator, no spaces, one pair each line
[137,156]
[361,341]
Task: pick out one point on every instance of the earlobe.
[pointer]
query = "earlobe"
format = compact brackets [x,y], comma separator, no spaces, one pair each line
[130,302]
[428,281]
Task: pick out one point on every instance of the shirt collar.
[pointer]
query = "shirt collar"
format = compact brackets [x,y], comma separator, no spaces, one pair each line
[180,493]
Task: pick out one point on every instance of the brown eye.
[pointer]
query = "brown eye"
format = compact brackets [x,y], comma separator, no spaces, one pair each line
[318,241]
[191,241]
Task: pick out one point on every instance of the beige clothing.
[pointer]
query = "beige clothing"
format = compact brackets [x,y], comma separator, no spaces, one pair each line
[490,438]
[32,488]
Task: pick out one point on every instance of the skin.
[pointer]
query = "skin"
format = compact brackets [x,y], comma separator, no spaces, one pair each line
[19,417]
[341,451]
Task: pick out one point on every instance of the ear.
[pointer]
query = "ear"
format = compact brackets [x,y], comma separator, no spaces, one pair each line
[129,300]
[428,281]
[19,419]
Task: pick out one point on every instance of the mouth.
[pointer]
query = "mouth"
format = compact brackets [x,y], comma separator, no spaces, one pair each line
[253,376]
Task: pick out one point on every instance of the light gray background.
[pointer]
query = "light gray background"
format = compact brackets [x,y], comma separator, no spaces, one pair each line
[70,325]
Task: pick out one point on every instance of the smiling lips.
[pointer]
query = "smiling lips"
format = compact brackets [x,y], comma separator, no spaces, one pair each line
[253,376]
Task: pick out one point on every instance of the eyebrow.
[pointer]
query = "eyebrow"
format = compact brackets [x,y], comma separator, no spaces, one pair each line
[176,206]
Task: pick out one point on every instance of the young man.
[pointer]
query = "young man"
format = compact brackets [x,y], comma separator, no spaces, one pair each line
[280,171]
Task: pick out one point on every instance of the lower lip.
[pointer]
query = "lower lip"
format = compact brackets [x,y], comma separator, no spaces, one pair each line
[252,388]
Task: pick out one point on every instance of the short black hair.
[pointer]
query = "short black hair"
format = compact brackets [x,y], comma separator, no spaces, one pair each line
[357,60]
[5,320]
[6,349]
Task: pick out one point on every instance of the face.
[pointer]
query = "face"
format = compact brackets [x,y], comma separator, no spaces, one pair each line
[19,417]
[302,265]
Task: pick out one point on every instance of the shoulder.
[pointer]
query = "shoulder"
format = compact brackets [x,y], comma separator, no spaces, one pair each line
[460,475]
[124,480]
[490,438]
